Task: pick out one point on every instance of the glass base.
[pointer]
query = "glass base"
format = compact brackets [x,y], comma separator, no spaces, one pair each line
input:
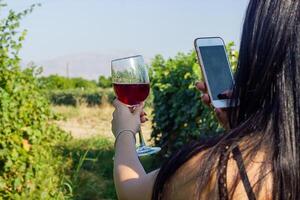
[145,150]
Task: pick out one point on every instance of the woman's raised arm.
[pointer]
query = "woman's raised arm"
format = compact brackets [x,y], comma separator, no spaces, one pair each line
[131,180]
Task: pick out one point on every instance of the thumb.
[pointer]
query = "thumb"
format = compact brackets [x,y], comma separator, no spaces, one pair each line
[139,109]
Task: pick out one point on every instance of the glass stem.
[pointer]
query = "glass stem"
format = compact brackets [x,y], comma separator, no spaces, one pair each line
[141,138]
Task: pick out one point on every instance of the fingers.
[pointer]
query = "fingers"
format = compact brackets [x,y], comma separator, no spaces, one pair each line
[132,109]
[144,119]
[222,117]
[201,86]
[139,108]
[225,95]
[218,112]
[228,93]
[135,110]
[143,113]
[206,99]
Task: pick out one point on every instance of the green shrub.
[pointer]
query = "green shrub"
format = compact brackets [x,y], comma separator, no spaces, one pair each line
[93,98]
[31,165]
[104,82]
[56,82]
[75,97]
[63,98]
[179,116]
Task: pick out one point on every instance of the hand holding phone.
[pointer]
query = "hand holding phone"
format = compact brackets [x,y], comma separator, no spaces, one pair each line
[221,113]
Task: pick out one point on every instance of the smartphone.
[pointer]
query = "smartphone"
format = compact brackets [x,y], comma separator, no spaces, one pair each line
[214,63]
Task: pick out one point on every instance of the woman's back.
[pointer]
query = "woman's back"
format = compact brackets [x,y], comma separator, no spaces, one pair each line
[226,184]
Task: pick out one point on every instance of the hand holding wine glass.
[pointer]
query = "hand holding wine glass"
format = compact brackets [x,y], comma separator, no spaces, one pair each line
[132,86]
[124,119]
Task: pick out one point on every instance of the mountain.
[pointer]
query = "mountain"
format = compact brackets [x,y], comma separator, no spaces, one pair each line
[85,65]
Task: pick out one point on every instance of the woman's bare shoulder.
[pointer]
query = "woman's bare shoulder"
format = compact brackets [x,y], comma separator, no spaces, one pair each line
[184,183]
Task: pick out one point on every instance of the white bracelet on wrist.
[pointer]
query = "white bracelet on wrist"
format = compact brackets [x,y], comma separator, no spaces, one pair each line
[122,133]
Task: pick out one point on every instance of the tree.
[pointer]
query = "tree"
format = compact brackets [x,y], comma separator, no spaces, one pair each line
[82,83]
[56,82]
[104,82]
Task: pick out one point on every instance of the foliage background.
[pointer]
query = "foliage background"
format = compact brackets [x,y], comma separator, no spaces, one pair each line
[31,164]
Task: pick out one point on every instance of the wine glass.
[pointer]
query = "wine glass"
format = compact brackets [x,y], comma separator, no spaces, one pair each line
[132,86]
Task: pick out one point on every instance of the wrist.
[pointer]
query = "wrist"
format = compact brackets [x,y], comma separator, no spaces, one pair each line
[124,133]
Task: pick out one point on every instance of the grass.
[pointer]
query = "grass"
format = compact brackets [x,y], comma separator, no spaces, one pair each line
[91,176]
[91,151]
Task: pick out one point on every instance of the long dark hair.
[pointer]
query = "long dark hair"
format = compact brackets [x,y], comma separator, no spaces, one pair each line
[268,88]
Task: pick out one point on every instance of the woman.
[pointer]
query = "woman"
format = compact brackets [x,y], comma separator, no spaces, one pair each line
[258,157]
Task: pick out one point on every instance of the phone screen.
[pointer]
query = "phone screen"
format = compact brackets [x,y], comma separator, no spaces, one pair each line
[217,70]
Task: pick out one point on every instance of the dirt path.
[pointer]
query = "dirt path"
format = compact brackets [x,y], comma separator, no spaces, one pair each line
[85,122]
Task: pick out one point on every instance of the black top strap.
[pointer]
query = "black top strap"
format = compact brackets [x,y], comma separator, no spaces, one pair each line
[222,180]
[237,155]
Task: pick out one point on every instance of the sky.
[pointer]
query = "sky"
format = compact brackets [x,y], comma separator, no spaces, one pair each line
[116,27]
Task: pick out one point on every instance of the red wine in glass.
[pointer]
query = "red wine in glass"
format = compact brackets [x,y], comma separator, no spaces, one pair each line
[132,94]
